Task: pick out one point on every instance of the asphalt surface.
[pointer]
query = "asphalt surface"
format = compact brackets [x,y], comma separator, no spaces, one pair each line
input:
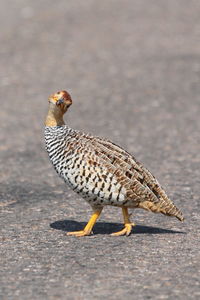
[133,70]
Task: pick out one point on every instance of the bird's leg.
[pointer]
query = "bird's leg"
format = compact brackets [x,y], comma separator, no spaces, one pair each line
[88,228]
[127,224]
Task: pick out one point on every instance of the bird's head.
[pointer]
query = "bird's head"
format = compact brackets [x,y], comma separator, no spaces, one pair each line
[58,105]
[61,100]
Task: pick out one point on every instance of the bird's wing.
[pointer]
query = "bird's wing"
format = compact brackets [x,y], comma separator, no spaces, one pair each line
[137,180]
[139,185]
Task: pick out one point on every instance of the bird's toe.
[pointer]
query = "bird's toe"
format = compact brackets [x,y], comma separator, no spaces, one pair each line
[79,233]
[125,231]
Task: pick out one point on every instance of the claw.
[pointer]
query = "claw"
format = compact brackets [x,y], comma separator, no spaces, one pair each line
[88,228]
[79,233]
[127,224]
[125,231]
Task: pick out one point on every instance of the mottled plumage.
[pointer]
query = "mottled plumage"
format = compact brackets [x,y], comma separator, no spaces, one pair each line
[100,171]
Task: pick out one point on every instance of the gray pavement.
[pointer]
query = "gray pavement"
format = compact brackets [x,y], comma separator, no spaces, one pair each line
[133,70]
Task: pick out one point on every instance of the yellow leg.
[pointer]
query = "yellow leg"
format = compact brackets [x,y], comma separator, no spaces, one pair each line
[88,228]
[127,224]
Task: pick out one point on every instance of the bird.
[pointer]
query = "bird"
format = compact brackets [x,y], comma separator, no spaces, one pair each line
[100,171]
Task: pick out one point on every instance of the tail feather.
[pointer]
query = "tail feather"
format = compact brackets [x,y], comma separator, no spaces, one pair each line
[161,207]
[164,204]
[174,211]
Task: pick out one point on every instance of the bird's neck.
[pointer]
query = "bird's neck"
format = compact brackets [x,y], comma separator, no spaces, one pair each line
[54,117]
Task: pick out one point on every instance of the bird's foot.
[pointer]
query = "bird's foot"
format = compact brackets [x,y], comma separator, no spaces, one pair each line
[79,233]
[88,228]
[125,231]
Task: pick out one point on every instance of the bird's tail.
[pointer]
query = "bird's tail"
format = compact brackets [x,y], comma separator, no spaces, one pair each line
[160,202]
[168,209]
[173,211]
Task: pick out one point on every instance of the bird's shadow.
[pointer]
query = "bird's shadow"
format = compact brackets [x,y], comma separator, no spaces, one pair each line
[108,228]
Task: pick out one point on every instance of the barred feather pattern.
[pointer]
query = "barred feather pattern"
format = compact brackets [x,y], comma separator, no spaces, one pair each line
[103,173]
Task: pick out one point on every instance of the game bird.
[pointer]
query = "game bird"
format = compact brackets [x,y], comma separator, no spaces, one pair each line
[100,171]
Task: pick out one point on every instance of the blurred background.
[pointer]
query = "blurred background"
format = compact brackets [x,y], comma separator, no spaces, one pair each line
[132,69]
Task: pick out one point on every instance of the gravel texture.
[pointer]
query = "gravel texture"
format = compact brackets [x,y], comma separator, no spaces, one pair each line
[133,69]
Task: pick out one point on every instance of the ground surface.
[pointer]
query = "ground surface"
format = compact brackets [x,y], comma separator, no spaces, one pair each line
[133,69]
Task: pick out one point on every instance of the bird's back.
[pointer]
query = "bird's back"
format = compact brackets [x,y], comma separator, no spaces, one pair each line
[103,173]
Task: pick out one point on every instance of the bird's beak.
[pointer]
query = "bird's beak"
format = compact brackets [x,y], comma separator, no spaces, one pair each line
[60,101]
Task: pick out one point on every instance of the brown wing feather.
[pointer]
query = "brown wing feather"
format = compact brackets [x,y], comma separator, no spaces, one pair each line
[137,180]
